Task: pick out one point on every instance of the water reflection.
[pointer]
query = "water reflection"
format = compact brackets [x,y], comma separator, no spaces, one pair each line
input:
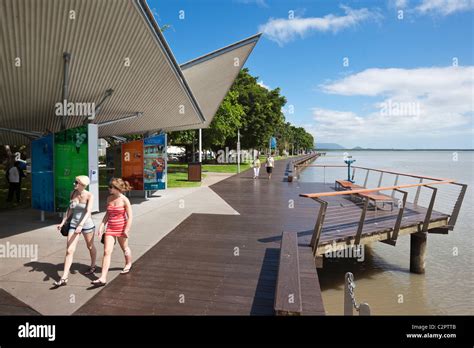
[383,280]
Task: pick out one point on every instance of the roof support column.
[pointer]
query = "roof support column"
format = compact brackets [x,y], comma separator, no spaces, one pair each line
[67,58]
[200,145]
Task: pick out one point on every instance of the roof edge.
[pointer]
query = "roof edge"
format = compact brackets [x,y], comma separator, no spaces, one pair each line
[220,51]
[145,9]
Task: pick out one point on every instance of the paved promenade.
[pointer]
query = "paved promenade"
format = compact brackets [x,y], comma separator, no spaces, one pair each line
[27,282]
[220,264]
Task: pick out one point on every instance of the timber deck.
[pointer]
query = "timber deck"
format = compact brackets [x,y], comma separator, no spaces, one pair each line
[228,264]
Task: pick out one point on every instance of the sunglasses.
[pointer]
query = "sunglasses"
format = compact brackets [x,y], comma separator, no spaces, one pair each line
[76,183]
[112,186]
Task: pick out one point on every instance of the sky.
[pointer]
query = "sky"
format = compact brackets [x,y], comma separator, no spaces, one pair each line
[379,74]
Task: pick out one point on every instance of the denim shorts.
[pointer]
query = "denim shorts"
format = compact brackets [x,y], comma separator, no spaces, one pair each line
[72,229]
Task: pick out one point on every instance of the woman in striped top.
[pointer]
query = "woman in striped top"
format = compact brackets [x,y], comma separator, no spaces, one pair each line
[118,220]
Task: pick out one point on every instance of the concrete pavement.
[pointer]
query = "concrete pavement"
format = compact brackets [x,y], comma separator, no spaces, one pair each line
[30,279]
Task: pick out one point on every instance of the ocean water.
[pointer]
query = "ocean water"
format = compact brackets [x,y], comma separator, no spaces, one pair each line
[383,279]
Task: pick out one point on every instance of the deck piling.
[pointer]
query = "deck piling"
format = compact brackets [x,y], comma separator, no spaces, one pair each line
[417,252]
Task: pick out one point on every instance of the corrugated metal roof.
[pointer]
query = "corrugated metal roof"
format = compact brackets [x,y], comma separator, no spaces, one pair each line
[100,38]
[212,75]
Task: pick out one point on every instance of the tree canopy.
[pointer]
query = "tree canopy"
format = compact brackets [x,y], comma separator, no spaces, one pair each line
[257,113]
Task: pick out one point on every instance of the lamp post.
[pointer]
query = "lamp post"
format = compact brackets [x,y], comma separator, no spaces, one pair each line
[238,150]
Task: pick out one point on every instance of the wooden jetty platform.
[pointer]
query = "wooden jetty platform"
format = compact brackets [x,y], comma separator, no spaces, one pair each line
[350,217]
[241,265]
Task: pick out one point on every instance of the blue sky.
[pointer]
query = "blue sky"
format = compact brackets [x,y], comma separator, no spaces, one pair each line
[408,83]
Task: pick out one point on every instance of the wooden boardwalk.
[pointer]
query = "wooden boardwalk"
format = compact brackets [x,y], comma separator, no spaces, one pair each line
[228,265]
[220,264]
[10,305]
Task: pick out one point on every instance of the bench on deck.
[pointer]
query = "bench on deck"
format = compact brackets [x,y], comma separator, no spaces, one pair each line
[346,185]
[288,288]
[375,197]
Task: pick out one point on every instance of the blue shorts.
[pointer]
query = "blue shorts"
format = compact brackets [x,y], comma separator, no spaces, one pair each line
[72,229]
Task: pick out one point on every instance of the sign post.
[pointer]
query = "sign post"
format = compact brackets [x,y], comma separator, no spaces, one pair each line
[238,150]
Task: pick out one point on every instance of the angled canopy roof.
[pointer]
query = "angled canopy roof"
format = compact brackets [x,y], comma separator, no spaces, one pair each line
[212,75]
[100,39]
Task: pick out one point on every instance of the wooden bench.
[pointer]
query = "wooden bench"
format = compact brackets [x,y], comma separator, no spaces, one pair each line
[378,197]
[288,287]
[346,185]
[372,196]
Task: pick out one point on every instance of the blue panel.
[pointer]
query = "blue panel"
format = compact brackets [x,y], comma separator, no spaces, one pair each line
[42,177]
[273,143]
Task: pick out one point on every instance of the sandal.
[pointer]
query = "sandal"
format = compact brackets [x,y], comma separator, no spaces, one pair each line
[98,282]
[126,270]
[61,282]
[91,270]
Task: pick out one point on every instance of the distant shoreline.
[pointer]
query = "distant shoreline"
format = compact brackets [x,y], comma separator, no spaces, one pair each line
[339,150]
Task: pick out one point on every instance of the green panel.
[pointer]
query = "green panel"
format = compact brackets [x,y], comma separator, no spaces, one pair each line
[70,160]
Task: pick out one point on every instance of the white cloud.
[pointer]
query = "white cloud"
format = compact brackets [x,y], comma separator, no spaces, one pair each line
[261,84]
[444,7]
[401,3]
[284,30]
[421,102]
[260,3]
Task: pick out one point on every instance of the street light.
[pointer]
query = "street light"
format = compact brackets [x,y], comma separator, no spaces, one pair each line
[238,150]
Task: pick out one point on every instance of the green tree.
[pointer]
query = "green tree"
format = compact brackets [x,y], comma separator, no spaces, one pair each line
[225,123]
[254,110]
[262,111]
[302,140]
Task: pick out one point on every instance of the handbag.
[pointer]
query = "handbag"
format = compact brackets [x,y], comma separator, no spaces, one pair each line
[67,223]
[102,239]
[65,228]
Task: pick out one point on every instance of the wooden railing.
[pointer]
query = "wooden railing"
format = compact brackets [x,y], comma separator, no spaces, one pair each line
[364,194]
[294,165]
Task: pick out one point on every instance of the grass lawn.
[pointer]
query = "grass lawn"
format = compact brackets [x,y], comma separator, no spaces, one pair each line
[177,177]
[180,179]
[216,168]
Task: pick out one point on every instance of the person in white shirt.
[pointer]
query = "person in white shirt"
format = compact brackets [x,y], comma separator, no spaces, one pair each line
[14,175]
[270,163]
[256,166]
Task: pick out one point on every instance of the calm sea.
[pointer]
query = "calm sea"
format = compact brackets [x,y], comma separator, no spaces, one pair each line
[383,280]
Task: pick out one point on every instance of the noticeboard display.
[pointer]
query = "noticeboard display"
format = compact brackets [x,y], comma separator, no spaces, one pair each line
[154,163]
[132,163]
[56,160]
[70,160]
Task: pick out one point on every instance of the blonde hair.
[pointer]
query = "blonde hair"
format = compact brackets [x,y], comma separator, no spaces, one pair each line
[120,184]
[83,179]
